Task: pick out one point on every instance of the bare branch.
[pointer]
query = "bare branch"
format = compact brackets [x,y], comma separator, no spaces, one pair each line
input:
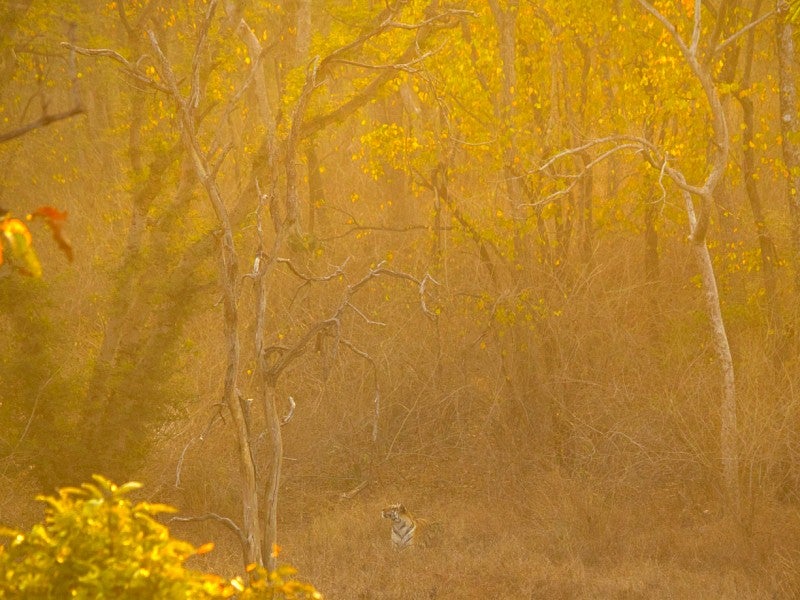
[131,69]
[407,67]
[651,152]
[383,25]
[425,30]
[292,140]
[286,355]
[201,438]
[569,152]
[35,407]
[447,14]
[377,397]
[105,52]
[179,466]
[668,26]
[719,124]
[388,23]
[42,121]
[661,181]
[422,285]
[376,413]
[290,413]
[202,35]
[256,54]
[365,317]
[255,76]
[725,43]
[576,177]
[339,270]
[168,75]
[214,517]
[356,225]
[46,118]
[696,28]
[215,165]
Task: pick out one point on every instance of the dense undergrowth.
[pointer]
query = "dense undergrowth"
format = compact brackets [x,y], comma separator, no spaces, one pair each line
[94,542]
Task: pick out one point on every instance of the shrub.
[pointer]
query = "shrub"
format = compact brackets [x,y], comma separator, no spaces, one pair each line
[95,543]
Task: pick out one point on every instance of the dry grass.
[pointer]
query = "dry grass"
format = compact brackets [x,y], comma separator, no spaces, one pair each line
[534,534]
[632,511]
[507,524]
[619,522]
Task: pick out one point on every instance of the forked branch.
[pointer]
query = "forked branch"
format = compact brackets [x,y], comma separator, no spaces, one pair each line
[50,118]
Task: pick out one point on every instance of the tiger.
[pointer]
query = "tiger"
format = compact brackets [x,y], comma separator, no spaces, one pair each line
[404,526]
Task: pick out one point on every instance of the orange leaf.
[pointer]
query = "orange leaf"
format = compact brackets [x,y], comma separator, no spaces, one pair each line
[49,213]
[205,548]
[54,219]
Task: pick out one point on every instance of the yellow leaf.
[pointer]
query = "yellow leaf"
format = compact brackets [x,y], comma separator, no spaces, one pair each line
[18,240]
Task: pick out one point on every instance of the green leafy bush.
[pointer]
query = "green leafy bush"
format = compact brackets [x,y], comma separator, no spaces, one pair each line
[95,543]
[276,585]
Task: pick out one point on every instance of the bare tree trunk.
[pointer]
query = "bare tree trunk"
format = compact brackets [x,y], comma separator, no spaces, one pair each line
[729,432]
[506,22]
[765,241]
[790,126]
[303,27]
[273,479]
[228,281]
[699,224]
[259,531]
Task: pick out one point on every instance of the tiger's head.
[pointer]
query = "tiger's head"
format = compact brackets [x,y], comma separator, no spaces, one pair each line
[395,512]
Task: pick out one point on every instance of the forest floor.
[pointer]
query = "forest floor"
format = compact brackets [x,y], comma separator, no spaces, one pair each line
[530,534]
[518,532]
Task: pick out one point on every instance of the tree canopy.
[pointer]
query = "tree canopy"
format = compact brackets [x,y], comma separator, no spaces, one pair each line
[323,240]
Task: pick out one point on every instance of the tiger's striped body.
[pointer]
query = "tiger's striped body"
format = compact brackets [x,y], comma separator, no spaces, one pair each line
[404,526]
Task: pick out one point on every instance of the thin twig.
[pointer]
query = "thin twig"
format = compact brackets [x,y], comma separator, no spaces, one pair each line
[35,406]
[377,396]
[201,438]
[214,517]
[339,270]
[290,413]
[42,121]
[407,67]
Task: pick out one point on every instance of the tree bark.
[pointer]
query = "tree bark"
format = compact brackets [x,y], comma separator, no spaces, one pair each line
[790,127]
[228,281]
[699,224]
[765,241]
[273,480]
[729,432]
